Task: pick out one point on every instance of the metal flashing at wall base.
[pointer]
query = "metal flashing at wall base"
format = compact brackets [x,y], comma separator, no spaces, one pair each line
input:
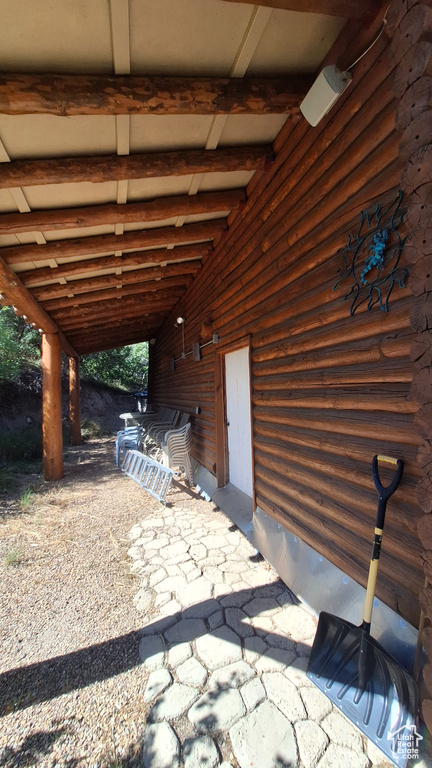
[323,586]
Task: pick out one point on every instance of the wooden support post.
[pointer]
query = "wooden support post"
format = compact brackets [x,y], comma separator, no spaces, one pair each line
[52,439]
[74,400]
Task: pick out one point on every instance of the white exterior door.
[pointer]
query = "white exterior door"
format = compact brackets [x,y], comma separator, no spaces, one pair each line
[238,411]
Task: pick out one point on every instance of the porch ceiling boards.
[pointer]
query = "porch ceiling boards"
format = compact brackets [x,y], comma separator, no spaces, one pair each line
[129,133]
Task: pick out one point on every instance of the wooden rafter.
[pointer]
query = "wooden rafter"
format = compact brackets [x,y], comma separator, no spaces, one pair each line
[157,314]
[13,293]
[126,318]
[112,307]
[87,246]
[153,318]
[132,335]
[113,334]
[350,9]
[149,274]
[34,277]
[70,170]
[136,304]
[68,95]
[86,347]
[116,293]
[126,325]
[97,215]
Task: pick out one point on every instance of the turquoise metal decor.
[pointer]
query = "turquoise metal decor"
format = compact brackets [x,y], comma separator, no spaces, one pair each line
[371,259]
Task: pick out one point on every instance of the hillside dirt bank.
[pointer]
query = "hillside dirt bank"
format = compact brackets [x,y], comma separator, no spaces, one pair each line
[21,403]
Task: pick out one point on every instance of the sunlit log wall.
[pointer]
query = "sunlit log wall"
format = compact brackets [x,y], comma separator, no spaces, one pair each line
[410,24]
[329,390]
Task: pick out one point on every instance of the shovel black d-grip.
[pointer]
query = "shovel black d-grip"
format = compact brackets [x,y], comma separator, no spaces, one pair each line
[384,493]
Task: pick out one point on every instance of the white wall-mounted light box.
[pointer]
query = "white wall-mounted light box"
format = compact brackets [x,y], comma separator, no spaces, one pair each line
[329,85]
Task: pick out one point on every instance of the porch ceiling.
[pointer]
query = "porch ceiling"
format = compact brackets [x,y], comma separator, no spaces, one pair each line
[129,132]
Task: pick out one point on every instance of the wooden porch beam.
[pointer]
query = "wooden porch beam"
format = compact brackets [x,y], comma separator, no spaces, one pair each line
[88,350]
[149,274]
[28,173]
[110,332]
[87,345]
[52,439]
[118,293]
[348,9]
[87,246]
[13,293]
[74,401]
[138,314]
[33,277]
[138,306]
[96,309]
[68,95]
[97,215]
[129,319]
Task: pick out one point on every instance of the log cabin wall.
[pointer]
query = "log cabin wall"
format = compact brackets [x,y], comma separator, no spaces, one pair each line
[329,390]
[410,24]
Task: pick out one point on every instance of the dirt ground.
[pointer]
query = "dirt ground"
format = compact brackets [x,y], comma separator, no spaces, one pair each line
[71,688]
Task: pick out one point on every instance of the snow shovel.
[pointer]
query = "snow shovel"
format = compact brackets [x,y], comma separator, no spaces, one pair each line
[356,673]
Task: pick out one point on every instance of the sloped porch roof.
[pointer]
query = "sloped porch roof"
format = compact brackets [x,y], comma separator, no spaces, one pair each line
[130,134]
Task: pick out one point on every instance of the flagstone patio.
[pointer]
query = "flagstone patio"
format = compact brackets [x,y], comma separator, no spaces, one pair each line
[227,653]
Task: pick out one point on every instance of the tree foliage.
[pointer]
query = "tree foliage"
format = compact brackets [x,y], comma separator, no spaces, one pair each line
[20,348]
[19,345]
[124,366]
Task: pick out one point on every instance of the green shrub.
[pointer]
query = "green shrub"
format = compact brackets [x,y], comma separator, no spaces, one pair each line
[91,429]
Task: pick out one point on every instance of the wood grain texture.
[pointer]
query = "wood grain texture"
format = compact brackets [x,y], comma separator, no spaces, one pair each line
[97,215]
[69,95]
[87,246]
[104,168]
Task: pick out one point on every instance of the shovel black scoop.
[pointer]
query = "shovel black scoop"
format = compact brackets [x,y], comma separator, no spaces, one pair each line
[356,673]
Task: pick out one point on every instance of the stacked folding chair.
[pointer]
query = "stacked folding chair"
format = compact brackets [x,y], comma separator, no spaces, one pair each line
[127,438]
[176,450]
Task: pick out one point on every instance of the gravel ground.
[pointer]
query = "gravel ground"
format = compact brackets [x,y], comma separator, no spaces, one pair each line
[71,683]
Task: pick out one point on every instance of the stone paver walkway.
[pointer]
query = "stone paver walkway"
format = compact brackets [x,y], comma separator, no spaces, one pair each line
[227,655]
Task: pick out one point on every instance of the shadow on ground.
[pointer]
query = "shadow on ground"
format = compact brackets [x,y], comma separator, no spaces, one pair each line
[25,686]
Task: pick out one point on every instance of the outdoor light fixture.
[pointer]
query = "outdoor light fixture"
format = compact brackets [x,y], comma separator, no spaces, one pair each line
[329,85]
[195,352]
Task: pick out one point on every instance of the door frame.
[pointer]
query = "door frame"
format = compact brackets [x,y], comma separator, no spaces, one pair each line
[221,436]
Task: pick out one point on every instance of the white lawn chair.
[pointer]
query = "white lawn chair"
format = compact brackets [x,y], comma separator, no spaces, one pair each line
[176,450]
[129,438]
[165,416]
[158,434]
[163,425]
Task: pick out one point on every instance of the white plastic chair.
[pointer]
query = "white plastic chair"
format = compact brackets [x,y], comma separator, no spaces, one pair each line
[176,450]
[162,426]
[129,438]
[158,433]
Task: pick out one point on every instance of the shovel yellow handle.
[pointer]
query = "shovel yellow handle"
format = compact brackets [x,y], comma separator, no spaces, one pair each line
[372,578]
[388,459]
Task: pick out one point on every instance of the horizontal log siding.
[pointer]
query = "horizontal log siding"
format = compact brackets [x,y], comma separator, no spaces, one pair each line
[328,390]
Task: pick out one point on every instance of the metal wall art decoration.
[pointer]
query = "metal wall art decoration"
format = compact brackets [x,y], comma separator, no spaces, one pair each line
[371,258]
